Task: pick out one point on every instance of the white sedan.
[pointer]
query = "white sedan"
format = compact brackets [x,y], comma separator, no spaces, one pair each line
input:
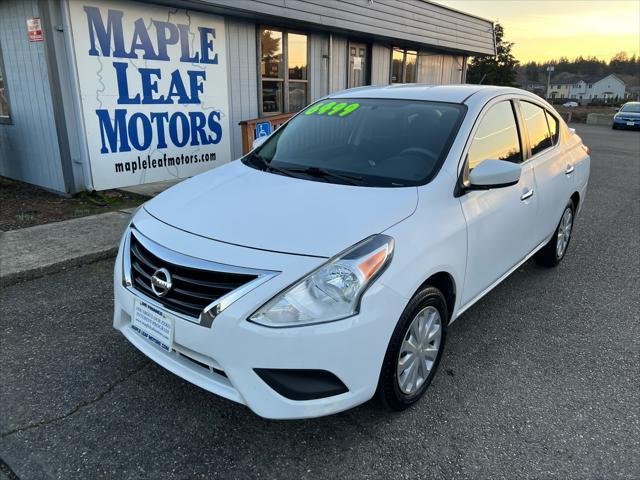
[325,266]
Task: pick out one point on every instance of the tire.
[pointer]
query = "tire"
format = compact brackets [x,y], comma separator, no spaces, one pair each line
[613,127]
[552,254]
[398,392]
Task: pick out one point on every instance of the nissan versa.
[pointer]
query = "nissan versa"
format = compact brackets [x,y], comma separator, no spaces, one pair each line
[324,267]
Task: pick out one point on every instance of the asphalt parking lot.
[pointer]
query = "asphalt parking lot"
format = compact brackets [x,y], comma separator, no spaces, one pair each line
[540,378]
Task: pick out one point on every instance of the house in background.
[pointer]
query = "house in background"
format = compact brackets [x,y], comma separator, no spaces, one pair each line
[539,88]
[560,87]
[633,93]
[587,89]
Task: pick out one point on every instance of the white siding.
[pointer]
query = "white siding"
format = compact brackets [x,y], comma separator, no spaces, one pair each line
[380,64]
[29,149]
[429,67]
[243,77]
[318,49]
[339,63]
[438,68]
[609,87]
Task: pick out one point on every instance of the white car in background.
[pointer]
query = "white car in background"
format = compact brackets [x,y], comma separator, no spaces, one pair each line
[325,266]
[570,104]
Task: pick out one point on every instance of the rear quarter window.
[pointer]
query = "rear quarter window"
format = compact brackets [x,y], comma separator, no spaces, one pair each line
[554,127]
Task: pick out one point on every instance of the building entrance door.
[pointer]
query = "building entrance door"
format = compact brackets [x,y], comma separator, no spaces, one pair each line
[357,64]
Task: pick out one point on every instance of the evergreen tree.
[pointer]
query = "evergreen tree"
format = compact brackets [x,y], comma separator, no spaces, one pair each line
[498,70]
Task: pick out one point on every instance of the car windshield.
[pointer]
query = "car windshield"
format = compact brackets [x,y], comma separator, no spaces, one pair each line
[631,108]
[370,142]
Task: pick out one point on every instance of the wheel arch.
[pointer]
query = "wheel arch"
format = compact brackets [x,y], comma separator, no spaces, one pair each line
[444,282]
[576,201]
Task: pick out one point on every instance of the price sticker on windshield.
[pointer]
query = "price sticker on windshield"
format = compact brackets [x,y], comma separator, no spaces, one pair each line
[330,109]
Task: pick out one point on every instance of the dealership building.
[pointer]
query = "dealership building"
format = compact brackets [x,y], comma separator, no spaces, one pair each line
[104,94]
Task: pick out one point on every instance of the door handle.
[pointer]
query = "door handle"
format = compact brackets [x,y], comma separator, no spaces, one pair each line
[569,170]
[527,194]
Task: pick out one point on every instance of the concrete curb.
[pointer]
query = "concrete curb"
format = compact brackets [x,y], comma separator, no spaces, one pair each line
[30,274]
[44,249]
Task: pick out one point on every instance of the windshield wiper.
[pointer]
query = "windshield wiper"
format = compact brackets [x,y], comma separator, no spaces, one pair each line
[263,165]
[324,173]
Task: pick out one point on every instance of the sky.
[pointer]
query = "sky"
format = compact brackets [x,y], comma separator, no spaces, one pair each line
[547,29]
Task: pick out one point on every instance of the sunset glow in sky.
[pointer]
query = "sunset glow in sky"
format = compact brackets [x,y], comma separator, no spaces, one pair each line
[546,29]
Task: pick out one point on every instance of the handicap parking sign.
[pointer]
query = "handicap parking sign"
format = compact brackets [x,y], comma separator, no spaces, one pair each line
[263,129]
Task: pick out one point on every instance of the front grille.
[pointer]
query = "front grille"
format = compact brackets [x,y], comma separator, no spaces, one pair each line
[193,289]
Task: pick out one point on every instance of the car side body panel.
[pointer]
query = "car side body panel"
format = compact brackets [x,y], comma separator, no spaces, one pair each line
[432,240]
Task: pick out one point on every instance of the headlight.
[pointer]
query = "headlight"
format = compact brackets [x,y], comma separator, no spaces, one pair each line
[331,292]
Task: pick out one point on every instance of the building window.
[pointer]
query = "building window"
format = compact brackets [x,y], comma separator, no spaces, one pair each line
[284,71]
[5,117]
[404,65]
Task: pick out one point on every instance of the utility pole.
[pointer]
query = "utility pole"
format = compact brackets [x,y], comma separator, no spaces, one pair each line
[550,68]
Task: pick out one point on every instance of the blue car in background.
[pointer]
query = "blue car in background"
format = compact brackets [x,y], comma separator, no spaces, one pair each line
[628,116]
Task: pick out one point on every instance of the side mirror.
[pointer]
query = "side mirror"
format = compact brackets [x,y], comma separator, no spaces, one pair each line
[259,141]
[494,174]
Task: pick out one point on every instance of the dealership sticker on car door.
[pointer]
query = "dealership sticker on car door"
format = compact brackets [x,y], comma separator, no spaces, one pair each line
[154,324]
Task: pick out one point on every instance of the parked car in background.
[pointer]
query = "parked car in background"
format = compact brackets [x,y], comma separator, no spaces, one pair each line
[570,104]
[326,265]
[628,116]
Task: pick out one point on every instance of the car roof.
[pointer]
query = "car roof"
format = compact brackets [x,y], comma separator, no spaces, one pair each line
[426,92]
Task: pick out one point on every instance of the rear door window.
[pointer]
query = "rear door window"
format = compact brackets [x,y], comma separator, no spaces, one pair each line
[535,118]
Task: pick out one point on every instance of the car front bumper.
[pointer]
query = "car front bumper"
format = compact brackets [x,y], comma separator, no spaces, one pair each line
[223,358]
[630,124]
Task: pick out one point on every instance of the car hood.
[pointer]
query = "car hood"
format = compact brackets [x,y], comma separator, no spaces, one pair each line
[241,205]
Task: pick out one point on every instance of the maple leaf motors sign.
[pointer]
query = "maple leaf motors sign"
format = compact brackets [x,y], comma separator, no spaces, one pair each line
[153,89]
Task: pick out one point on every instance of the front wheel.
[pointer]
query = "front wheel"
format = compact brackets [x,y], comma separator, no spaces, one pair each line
[554,251]
[414,350]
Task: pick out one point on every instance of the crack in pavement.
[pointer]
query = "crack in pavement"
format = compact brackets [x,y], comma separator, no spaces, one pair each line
[77,408]
[6,471]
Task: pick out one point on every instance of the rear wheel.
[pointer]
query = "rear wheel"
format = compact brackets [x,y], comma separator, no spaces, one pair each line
[414,350]
[554,251]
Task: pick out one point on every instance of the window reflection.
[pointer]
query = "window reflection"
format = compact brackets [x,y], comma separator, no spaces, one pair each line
[4,104]
[496,137]
[271,65]
[397,65]
[536,122]
[284,88]
[297,56]
[403,66]
[271,96]
[297,96]
[553,127]
[410,68]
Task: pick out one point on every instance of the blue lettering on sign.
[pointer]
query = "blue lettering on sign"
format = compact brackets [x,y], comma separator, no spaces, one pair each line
[124,131]
[263,129]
